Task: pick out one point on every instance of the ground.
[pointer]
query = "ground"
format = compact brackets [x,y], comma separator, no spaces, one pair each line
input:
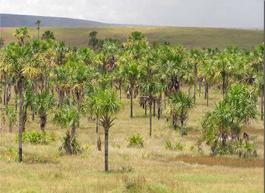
[189,37]
[151,169]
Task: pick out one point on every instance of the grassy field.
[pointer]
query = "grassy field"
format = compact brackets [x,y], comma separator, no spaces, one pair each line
[189,37]
[152,169]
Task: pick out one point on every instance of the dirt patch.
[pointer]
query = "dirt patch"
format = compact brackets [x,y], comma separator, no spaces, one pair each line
[224,161]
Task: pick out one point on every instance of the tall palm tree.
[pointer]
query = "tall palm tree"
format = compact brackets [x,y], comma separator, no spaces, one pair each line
[20,66]
[106,105]
[38,22]
[150,83]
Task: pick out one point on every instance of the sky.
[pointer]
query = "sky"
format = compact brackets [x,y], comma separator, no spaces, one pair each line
[189,13]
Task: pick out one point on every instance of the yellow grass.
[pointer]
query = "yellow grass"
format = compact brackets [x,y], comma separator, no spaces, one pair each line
[152,169]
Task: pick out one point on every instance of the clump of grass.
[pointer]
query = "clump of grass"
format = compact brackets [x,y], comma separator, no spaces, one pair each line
[174,146]
[125,169]
[159,188]
[135,184]
[35,137]
[136,141]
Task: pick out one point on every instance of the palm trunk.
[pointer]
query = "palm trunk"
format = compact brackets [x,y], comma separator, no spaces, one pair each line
[261,104]
[16,105]
[145,108]
[207,94]
[21,118]
[43,120]
[200,88]
[159,110]
[4,94]
[24,118]
[195,84]
[79,111]
[154,108]
[174,120]
[98,140]
[10,127]
[223,83]
[131,93]
[72,137]
[106,153]
[120,92]
[150,116]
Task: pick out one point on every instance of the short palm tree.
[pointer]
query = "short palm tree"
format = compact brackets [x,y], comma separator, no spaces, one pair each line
[43,102]
[22,35]
[68,116]
[180,103]
[131,75]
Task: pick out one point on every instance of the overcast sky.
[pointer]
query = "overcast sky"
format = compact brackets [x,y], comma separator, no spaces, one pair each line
[198,13]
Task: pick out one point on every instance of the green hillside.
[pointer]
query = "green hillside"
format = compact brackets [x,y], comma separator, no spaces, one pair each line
[189,37]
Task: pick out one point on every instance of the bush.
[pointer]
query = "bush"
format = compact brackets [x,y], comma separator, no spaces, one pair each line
[34,137]
[246,149]
[70,146]
[176,147]
[242,148]
[134,185]
[136,141]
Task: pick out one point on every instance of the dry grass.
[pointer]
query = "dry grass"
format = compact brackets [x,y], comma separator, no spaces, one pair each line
[189,37]
[152,169]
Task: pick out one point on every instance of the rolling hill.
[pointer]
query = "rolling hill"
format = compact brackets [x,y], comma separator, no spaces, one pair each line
[74,32]
[12,20]
[189,37]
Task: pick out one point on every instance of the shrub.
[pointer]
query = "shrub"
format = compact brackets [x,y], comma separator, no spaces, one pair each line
[70,146]
[242,148]
[134,185]
[34,137]
[176,147]
[136,141]
[246,149]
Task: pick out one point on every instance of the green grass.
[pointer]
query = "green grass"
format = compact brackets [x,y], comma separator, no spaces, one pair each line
[151,169]
[189,37]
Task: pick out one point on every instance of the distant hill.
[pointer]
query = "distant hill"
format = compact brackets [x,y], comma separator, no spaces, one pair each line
[12,20]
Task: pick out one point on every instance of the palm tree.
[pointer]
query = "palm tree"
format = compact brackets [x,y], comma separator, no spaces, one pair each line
[150,83]
[68,116]
[43,102]
[48,35]
[105,104]
[93,41]
[19,66]
[131,74]
[22,35]
[195,59]
[38,22]
[179,105]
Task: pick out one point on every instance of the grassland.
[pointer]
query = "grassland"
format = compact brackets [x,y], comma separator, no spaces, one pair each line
[189,37]
[152,169]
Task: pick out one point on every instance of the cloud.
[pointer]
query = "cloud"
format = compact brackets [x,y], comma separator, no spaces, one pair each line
[199,13]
